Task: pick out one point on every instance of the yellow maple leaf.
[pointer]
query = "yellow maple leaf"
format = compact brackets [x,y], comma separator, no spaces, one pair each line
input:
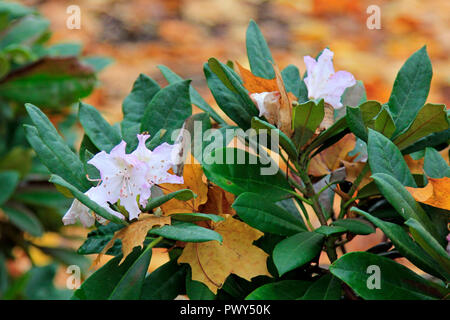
[212,262]
[134,234]
[193,180]
[435,193]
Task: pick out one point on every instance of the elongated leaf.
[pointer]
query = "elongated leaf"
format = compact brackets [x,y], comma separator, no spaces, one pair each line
[99,131]
[183,195]
[266,216]
[168,110]
[102,283]
[190,217]
[355,226]
[434,165]
[49,83]
[165,283]
[402,201]
[282,290]
[431,140]
[258,52]
[328,137]
[429,244]
[246,177]
[396,281]
[130,285]
[230,95]
[84,199]
[196,290]
[411,88]
[53,151]
[306,118]
[187,232]
[133,108]
[24,220]
[385,157]
[297,250]
[405,245]
[99,238]
[196,98]
[325,288]
[9,181]
[431,118]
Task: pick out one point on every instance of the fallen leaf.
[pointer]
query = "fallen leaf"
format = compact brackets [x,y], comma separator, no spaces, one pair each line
[134,234]
[415,166]
[193,180]
[256,84]
[435,193]
[212,262]
[219,201]
[330,159]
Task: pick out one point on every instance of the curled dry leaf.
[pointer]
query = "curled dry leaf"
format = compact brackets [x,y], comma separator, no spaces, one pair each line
[279,114]
[212,262]
[353,169]
[219,202]
[435,193]
[134,234]
[193,180]
[330,159]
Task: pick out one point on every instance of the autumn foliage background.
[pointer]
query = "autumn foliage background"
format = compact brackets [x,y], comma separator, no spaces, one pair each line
[183,34]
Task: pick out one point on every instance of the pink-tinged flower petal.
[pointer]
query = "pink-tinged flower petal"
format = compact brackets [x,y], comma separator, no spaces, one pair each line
[162,159]
[142,152]
[78,211]
[322,82]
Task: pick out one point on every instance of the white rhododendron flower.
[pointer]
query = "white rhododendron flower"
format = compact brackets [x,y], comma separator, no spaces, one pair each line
[323,82]
[124,177]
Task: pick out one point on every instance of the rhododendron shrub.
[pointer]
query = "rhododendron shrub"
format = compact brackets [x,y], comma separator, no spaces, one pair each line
[345,166]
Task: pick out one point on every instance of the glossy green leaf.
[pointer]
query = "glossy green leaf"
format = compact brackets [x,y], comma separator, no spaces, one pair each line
[385,157]
[429,244]
[384,123]
[258,52]
[264,215]
[99,131]
[165,283]
[196,290]
[282,290]
[230,95]
[196,98]
[402,201]
[330,230]
[133,108]
[355,226]
[294,83]
[53,151]
[431,140]
[97,239]
[435,165]
[129,274]
[431,118]
[411,88]
[396,281]
[183,195]
[246,177]
[190,217]
[325,288]
[297,250]
[168,109]
[9,181]
[306,118]
[405,245]
[187,232]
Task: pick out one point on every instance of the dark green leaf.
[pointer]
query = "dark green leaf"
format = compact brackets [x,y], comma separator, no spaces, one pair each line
[190,217]
[258,52]
[411,88]
[385,157]
[325,288]
[282,290]
[396,281]
[294,83]
[187,232]
[264,215]
[183,195]
[306,118]
[297,250]
[24,220]
[9,181]
[355,226]
[165,283]
[359,119]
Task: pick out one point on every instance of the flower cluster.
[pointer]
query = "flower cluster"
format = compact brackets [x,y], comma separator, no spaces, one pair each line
[125,179]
